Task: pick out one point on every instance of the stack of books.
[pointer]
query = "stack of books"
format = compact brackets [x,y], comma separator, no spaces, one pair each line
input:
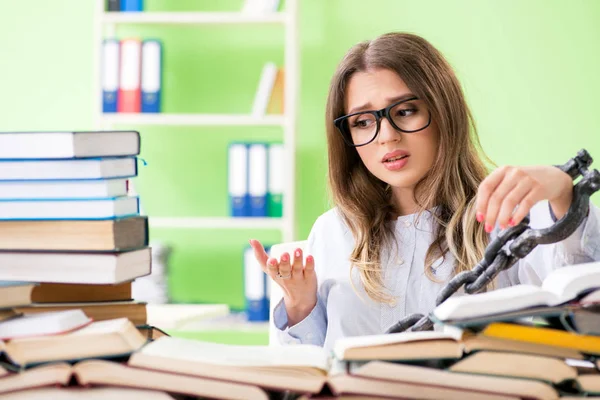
[68,225]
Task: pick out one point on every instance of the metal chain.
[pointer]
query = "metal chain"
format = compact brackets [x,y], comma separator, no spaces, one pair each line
[500,255]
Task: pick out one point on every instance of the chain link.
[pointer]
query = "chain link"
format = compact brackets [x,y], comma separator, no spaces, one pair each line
[516,242]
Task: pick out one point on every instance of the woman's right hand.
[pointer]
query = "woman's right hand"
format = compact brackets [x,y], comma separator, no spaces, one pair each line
[298,281]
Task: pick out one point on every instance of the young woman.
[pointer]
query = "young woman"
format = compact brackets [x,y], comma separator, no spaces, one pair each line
[413,204]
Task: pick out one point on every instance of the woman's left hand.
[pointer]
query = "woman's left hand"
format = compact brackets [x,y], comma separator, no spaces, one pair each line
[508,187]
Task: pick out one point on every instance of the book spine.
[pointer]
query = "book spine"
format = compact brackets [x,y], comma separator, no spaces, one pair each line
[129,99]
[257,185]
[113,5]
[276,181]
[151,76]
[238,179]
[254,288]
[110,75]
[263,92]
[132,5]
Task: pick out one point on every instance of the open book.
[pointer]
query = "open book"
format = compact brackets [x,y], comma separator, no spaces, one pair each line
[112,338]
[561,286]
[546,369]
[106,373]
[306,369]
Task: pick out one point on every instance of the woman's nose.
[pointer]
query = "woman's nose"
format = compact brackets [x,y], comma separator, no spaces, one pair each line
[387,132]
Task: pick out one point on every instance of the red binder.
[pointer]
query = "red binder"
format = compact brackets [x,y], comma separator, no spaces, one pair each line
[130,95]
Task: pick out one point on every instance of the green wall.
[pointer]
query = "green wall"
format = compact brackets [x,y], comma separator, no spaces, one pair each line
[529,68]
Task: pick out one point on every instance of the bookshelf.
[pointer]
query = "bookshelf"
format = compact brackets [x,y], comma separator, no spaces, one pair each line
[106,25]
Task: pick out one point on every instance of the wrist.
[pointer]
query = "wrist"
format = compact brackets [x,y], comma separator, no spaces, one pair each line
[561,204]
[296,312]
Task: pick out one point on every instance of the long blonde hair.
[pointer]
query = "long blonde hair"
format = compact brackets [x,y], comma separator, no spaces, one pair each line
[451,184]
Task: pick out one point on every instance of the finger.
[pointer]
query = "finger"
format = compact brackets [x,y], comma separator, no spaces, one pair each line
[525,205]
[259,252]
[485,190]
[309,268]
[285,268]
[510,181]
[512,199]
[272,268]
[297,265]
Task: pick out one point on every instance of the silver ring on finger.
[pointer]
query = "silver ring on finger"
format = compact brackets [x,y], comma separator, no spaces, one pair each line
[288,276]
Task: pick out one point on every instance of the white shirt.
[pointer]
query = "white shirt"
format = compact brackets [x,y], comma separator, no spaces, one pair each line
[342,311]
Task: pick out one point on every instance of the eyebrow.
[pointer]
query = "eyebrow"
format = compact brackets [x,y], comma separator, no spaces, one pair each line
[390,100]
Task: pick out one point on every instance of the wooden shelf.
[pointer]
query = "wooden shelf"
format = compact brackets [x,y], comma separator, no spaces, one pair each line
[216,222]
[192,119]
[192,18]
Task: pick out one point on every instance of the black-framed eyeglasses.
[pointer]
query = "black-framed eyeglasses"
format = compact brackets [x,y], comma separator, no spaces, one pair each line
[361,128]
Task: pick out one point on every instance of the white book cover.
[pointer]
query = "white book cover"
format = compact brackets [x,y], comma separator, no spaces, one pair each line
[73,267]
[561,285]
[263,92]
[254,281]
[130,77]
[257,186]
[42,170]
[44,145]
[48,323]
[74,189]
[68,209]
[151,67]
[237,171]
[110,69]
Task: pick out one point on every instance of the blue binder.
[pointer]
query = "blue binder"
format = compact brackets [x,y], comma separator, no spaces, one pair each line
[237,175]
[132,5]
[255,293]
[151,75]
[110,74]
[257,179]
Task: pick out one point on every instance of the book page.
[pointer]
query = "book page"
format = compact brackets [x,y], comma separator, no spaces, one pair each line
[251,356]
[494,302]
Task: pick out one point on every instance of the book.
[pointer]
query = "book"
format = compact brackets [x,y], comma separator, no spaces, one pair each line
[110,73]
[524,366]
[92,373]
[432,345]
[121,234]
[112,338]
[277,100]
[88,393]
[80,293]
[42,145]
[132,5]
[98,311]
[15,293]
[257,179]
[59,209]
[237,179]
[276,180]
[255,288]
[586,344]
[97,268]
[263,91]
[151,332]
[78,189]
[50,323]
[435,383]
[300,368]
[113,5]
[129,94]
[560,286]
[68,169]
[151,75]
